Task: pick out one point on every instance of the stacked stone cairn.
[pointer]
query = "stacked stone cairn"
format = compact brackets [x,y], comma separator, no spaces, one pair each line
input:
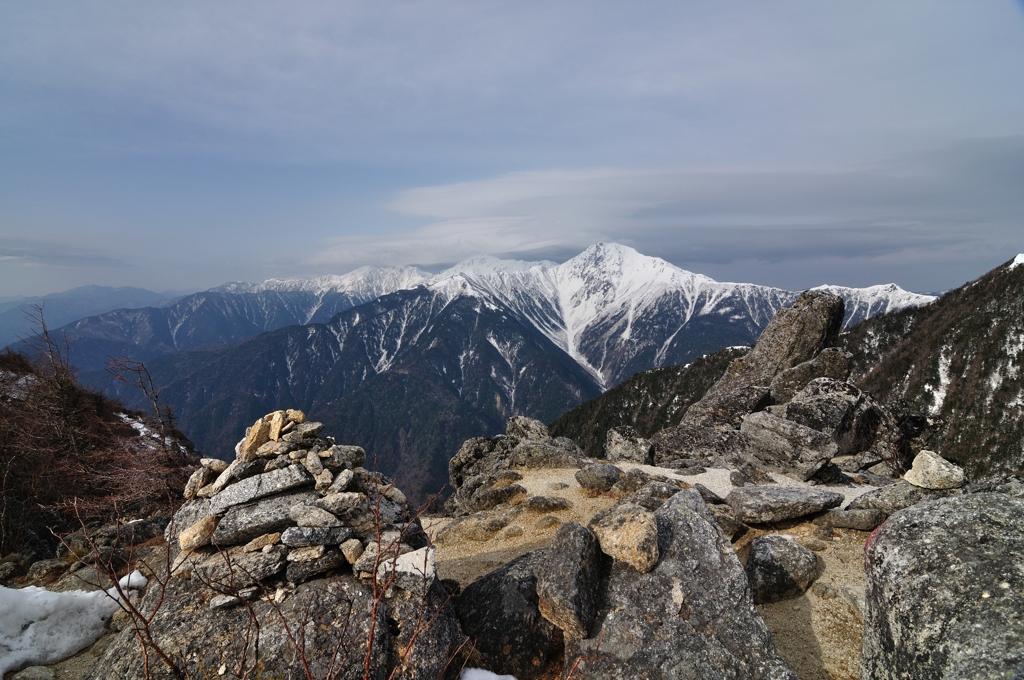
[291,506]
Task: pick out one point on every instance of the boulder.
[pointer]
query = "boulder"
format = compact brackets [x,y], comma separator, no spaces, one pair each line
[233,569]
[625,443]
[779,568]
[567,580]
[628,533]
[485,491]
[831,362]
[692,616]
[895,497]
[794,335]
[696,442]
[500,612]
[300,537]
[198,534]
[597,478]
[413,571]
[522,427]
[945,596]
[546,504]
[931,471]
[764,504]
[785,446]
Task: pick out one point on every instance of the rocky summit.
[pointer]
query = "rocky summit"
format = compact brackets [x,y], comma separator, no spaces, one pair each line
[788,527]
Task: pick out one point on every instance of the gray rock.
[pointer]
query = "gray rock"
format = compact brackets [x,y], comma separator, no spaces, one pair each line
[187,515]
[854,597]
[546,504]
[690,617]
[413,571]
[794,335]
[779,568]
[344,458]
[388,549]
[312,463]
[484,492]
[568,577]
[334,618]
[787,447]
[894,497]
[301,571]
[43,569]
[945,596]
[500,612]
[709,496]
[540,454]
[715,447]
[598,478]
[341,482]
[230,570]
[861,520]
[932,471]
[312,516]
[831,362]
[625,443]
[726,520]
[764,504]
[35,673]
[242,523]
[629,483]
[628,533]
[426,630]
[236,471]
[480,526]
[526,428]
[260,486]
[298,537]
[198,480]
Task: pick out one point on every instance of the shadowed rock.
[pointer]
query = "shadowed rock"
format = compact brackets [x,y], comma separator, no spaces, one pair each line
[779,568]
[764,504]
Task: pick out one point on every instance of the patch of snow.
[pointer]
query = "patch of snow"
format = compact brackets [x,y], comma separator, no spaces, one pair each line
[1017,261]
[939,391]
[481,674]
[39,626]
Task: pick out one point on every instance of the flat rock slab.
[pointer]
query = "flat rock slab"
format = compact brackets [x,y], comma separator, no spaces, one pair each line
[764,504]
[260,486]
[692,616]
[894,497]
[242,523]
[945,595]
[299,537]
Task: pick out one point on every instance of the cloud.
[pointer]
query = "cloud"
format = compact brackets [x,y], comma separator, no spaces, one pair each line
[944,203]
[23,253]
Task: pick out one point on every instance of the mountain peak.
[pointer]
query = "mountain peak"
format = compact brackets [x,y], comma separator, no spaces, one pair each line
[487,264]
[1017,261]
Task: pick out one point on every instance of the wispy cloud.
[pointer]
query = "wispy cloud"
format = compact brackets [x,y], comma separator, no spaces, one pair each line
[18,252]
[948,203]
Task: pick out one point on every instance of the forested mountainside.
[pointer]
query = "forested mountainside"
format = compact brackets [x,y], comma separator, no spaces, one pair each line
[649,401]
[961,359]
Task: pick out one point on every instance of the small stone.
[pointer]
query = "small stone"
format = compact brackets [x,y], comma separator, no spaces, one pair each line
[526,428]
[215,465]
[855,598]
[298,454]
[510,531]
[306,554]
[823,590]
[548,522]
[931,471]
[779,568]
[298,572]
[312,516]
[237,470]
[312,463]
[324,480]
[628,533]
[624,443]
[547,504]
[218,602]
[295,416]
[300,537]
[197,481]
[198,534]
[276,420]
[258,435]
[709,496]
[341,481]
[814,544]
[263,541]
[394,494]
[726,520]
[272,449]
[352,549]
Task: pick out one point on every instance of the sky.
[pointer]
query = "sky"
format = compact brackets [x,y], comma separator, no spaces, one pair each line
[178,146]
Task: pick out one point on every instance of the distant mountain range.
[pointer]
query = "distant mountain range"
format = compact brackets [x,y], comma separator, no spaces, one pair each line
[60,308]
[409,364]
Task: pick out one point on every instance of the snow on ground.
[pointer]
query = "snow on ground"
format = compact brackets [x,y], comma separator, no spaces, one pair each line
[1017,261]
[39,626]
[480,674]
